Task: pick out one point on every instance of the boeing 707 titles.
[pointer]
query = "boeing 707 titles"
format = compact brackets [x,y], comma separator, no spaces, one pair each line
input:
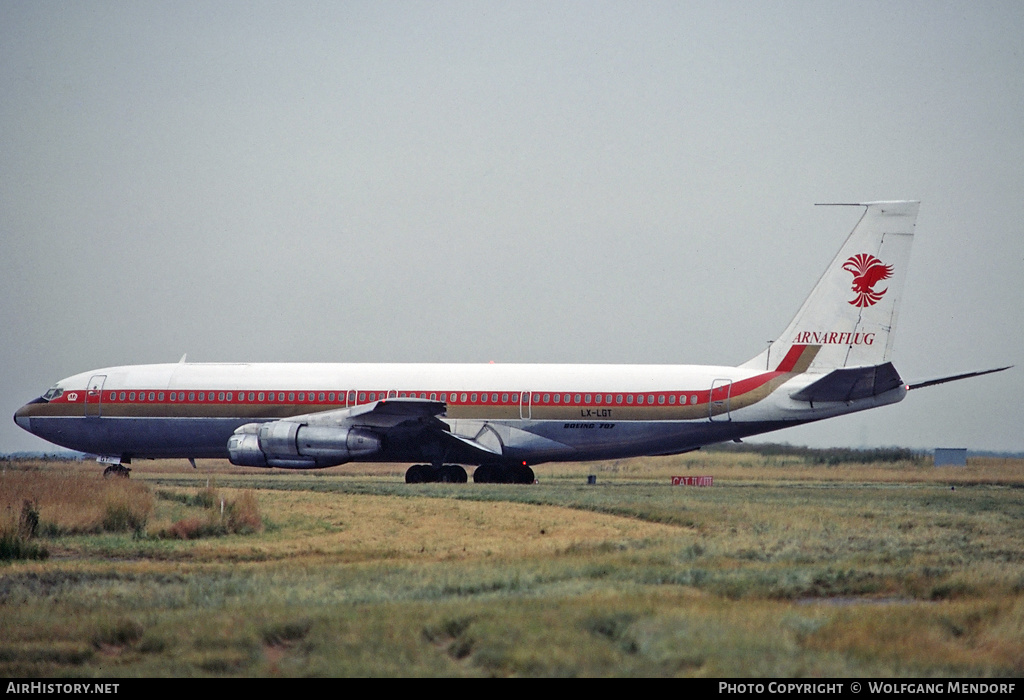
[832,359]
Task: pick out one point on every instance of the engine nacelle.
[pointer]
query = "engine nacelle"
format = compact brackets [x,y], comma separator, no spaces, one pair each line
[297,446]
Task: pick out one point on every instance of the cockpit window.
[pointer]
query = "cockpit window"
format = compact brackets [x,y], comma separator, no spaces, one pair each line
[53,393]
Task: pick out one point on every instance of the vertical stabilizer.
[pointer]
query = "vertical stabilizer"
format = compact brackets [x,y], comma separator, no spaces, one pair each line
[849,318]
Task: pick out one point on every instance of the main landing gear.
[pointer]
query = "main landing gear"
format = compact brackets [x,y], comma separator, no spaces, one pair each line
[501,474]
[484,474]
[430,474]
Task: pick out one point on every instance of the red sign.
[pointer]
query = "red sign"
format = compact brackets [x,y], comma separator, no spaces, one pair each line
[693,480]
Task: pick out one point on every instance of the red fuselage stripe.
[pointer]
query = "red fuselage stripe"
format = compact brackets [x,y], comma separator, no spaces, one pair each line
[791,358]
[489,398]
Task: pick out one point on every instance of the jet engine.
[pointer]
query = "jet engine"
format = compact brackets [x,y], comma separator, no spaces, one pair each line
[299,446]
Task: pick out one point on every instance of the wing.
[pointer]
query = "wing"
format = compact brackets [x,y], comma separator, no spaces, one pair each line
[386,413]
[328,438]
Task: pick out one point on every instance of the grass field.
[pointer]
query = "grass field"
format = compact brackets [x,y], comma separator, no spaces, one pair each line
[780,569]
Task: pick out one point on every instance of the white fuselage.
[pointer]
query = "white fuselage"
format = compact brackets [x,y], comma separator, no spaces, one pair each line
[528,413]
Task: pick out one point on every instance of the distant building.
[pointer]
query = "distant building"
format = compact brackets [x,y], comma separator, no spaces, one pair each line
[950,456]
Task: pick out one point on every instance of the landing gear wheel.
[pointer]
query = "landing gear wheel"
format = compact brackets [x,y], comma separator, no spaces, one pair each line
[523,475]
[453,474]
[419,474]
[499,474]
[118,470]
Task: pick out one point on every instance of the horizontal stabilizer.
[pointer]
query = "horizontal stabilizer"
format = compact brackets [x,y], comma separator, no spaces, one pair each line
[953,378]
[851,384]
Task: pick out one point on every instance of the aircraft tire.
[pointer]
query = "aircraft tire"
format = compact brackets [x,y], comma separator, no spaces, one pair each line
[523,475]
[453,474]
[484,474]
[117,470]
[418,474]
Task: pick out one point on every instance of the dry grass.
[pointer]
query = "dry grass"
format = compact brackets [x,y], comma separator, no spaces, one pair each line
[777,570]
[359,528]
[72,501]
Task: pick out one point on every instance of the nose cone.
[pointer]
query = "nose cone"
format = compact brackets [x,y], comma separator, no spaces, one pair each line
[22,417]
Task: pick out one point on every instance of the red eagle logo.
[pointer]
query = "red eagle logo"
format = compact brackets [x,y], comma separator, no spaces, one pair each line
[867,271]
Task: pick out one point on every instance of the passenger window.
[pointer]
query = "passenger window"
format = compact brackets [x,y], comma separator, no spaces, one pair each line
[629,398]
[577,398]
[151,396]
[661,399]
[558,398]
[320,396]
[121,397]
[597,399]
[693,399]
[672,399]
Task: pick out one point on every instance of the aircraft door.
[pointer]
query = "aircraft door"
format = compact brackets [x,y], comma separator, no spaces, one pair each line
[718,405]
[524,405]
[94,395]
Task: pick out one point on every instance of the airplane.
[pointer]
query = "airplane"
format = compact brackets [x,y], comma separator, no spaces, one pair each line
[503,419]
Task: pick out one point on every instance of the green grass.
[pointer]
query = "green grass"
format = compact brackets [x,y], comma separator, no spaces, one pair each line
[774,571]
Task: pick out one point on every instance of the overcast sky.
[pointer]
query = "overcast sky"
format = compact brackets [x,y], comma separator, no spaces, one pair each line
[508,181]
